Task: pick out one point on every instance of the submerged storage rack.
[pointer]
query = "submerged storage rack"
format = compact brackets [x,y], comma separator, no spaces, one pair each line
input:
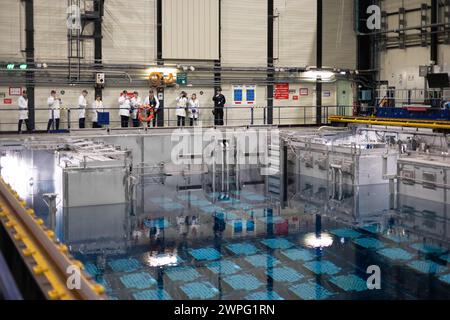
[39,263]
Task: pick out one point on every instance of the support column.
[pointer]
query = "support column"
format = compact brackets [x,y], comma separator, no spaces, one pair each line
[160,62]
[319,62]
[270,60]
[29,52]
[98,37]
[434,32]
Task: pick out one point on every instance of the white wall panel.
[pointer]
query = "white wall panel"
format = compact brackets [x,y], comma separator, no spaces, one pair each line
[191,29]
[401,67]
[244,33]
[339,38]
[295,33]
[50,25]
[129,31]
[12,35]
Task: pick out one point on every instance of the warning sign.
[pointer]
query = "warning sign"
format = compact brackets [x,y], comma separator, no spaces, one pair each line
[281,91]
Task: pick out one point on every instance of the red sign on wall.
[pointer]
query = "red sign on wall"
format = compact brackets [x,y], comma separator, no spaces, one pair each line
[7,101]
[295,98]
[282,91]
[15,91]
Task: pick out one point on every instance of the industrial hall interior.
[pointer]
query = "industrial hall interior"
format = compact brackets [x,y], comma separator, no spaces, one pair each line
[225,150]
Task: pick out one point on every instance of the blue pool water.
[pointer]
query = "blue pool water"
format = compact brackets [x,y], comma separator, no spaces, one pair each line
[201,243]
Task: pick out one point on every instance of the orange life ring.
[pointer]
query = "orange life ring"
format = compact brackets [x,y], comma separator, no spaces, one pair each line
[155,79]
[145,108]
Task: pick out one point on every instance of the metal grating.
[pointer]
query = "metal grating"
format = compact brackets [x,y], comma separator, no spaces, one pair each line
[264,296]
[243,282]
[277,243]
[223,267]
[200,290]
[152,295]
[262,260]
[138,281]
[322,267]
[182,274]
[369,243]
[208,254]
[396,254]
[242,248]
[124,265]
[427,267]
[284,274]
[345,233]
[311,291]
[350,283]
[298,254]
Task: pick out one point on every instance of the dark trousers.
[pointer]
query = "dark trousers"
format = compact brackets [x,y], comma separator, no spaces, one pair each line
[82,123]
[155,119]
[27,124]
[181,121]
[50,123]
[136,123]
[124,121]
[192,121]
[95,125]
[218,117]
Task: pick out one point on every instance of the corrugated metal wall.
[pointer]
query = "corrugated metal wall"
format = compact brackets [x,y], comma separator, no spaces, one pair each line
[244,33]
[191,29]
[11,26]
[339,39]
[295,33]
[129,31]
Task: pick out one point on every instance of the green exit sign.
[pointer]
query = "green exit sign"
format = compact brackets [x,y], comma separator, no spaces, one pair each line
[182,78]
[10,66]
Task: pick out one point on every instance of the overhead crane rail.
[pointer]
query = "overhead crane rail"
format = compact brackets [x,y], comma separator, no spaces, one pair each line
[47,259]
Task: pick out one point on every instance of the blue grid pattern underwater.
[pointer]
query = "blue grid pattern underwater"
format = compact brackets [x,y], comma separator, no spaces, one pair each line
[246,263]
[275,268]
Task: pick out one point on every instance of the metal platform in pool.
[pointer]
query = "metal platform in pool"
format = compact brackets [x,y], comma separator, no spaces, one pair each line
[198,236]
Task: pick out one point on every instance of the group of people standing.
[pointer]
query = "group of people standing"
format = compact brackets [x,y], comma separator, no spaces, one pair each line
[54,107]
[130,105]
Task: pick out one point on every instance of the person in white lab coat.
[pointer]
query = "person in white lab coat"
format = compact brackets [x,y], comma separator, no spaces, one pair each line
[136,103]
[97,106]
[124,109]
[193,109]
[153,102]
[23,111]
[54,104]
[82,105]
[182,104]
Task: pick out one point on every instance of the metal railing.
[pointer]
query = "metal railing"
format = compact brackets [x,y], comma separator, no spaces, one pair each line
[232,116]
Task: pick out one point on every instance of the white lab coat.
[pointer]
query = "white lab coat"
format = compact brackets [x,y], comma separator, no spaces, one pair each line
[23,108]
[125,106]
[53,104]
[96,107]
[194,108]
[135,104]
[181,106]
[82,105]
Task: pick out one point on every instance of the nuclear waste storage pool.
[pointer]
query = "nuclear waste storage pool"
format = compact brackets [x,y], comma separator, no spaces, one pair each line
[310,222]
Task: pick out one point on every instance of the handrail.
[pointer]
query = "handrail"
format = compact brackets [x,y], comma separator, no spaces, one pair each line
[51,260]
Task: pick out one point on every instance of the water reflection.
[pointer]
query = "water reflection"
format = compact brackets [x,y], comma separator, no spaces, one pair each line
[198,237]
